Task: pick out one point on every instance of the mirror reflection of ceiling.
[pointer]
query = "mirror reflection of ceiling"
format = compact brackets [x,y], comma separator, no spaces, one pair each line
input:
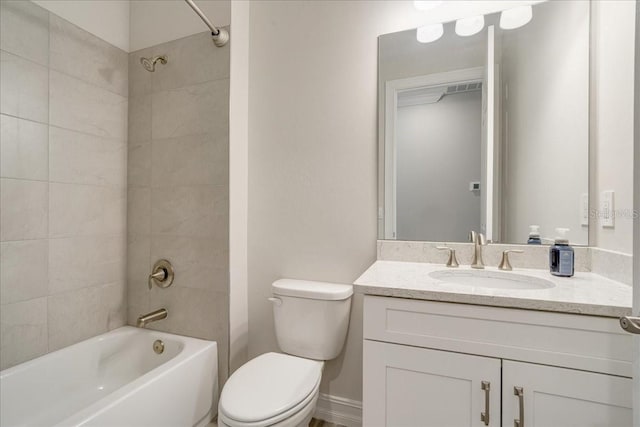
[433,94]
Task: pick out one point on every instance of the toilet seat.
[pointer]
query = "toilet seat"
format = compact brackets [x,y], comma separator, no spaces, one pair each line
[296,416]
[270,388]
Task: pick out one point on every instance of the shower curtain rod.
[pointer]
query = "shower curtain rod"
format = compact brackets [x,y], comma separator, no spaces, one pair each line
[220,35]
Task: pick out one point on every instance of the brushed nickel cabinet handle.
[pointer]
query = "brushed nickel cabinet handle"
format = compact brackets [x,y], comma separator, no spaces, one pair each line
[518,391]
[484,416]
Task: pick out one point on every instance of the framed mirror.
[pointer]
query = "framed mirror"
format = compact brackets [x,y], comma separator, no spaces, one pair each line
[486,132]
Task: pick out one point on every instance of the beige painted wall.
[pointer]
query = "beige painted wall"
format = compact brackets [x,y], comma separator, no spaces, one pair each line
[612,119]
[312,151]
[238,184]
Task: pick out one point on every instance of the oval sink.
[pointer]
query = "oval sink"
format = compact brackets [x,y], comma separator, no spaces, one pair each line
[491,279]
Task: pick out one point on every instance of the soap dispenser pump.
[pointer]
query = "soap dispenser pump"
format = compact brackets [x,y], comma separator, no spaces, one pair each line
[534,235]
[561,255]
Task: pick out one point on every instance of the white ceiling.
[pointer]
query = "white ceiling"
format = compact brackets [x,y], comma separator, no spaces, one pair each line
[136,24]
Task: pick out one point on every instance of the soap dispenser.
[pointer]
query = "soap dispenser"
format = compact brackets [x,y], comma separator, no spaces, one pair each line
[534,235]
[561,255]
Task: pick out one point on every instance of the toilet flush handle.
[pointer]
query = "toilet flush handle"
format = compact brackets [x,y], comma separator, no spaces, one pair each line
[276,301]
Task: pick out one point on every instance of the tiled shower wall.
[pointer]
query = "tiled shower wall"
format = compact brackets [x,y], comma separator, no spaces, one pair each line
[178,187]
[62,183]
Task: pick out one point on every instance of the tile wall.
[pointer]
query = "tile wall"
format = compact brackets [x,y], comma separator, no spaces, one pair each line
[178,188]
[63,156]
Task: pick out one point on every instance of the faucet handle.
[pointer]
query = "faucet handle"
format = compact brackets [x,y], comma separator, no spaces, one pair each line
[161,275]
[452,261]
[504,262]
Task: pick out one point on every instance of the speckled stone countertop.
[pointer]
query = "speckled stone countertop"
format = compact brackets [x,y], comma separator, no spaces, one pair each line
[584,293]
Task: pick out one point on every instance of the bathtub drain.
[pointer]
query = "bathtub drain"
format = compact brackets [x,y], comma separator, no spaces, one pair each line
[158,346]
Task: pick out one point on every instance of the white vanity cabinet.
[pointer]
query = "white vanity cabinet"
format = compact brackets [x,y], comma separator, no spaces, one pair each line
[442,364]
[553,396]
[410,386]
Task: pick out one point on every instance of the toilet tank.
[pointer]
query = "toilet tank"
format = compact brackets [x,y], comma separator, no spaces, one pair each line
[311,318]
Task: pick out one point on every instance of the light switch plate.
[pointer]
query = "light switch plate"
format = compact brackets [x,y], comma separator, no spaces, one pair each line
[607,209]
[584,209]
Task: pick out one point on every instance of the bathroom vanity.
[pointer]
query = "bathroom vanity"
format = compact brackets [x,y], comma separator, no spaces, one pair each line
[437,353]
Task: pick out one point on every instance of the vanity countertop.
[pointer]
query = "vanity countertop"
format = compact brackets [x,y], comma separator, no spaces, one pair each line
[584,293]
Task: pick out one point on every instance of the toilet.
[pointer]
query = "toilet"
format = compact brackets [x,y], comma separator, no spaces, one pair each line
[281,389]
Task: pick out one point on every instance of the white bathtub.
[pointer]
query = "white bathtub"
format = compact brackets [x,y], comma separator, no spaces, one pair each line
[115,380]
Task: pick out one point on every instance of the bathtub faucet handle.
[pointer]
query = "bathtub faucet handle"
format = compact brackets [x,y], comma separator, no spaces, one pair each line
[162,274]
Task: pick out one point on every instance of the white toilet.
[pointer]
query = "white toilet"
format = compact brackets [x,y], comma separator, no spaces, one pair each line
[281,390]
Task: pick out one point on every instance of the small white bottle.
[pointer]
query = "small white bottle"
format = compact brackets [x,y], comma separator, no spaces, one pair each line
[534,235]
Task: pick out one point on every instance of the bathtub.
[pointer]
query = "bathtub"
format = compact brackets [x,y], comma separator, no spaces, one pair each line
[115,380]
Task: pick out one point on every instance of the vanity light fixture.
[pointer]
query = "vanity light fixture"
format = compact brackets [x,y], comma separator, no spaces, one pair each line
[516,17]
[426,4]
[429,33]
[469,26]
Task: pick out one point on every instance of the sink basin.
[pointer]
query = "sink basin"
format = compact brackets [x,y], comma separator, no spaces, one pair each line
[491,279]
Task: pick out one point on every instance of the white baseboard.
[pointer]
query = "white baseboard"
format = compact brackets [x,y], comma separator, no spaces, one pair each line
[338,410]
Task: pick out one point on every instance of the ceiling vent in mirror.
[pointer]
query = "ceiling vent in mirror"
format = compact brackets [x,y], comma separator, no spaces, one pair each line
[433,94]
[463,87]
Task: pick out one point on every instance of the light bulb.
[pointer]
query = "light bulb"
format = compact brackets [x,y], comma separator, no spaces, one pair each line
[516,17]
[469,26]
[426,4]
[429,33]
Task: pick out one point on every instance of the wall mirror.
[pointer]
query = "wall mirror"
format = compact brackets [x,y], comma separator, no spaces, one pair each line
[487,132]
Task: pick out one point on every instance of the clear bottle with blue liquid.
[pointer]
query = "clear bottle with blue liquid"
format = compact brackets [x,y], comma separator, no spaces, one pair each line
[561,255]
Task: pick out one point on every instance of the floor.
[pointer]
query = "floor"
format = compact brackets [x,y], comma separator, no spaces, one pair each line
[321,423]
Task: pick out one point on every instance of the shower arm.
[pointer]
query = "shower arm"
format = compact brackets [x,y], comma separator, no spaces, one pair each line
[220,35]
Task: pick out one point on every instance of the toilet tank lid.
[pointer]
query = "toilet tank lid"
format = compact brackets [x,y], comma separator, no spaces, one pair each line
[312,290]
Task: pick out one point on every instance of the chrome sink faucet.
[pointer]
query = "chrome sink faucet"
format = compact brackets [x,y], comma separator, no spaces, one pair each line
[154,316]
[478,241]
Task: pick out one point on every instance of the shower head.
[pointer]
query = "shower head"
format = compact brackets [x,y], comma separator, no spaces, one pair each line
[149,64]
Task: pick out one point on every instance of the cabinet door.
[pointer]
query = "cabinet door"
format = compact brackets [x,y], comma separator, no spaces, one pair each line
[564,397]
[410,386]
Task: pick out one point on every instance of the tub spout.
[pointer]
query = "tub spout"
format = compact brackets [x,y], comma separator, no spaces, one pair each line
[154,316]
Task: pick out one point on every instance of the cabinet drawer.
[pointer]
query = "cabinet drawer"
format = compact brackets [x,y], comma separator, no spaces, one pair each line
[575,341]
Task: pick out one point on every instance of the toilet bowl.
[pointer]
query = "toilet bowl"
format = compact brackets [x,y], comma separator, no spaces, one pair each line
[281,389]
[272,389]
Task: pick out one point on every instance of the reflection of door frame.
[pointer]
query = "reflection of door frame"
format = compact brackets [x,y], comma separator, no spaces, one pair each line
[392,89]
